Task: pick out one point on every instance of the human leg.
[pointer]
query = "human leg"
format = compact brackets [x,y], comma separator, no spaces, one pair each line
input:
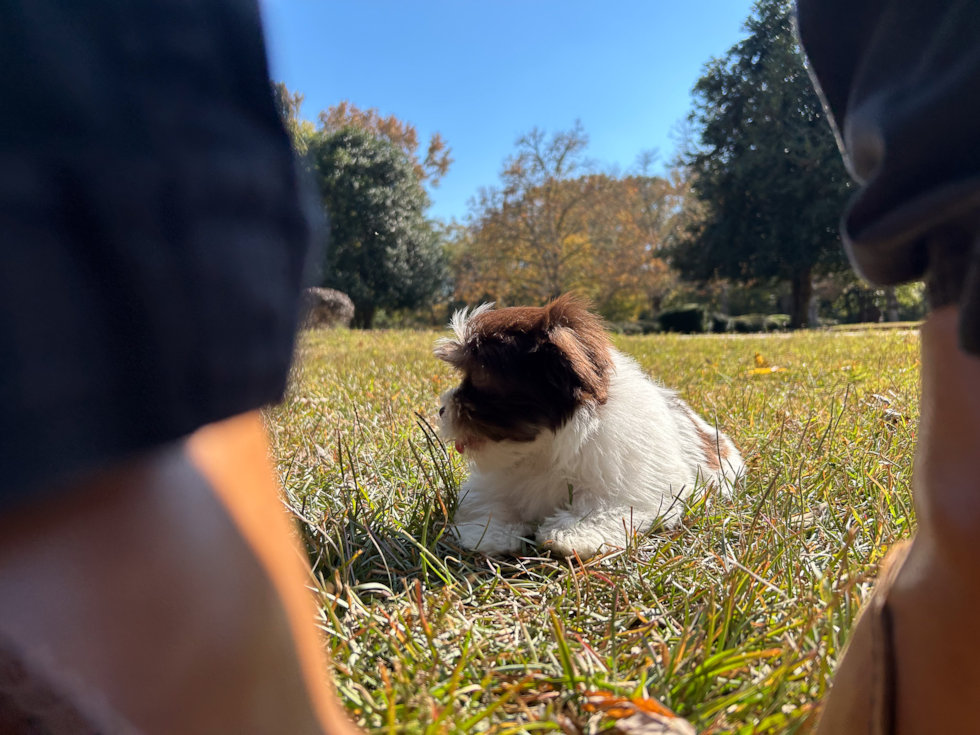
[169,587]
[909,661]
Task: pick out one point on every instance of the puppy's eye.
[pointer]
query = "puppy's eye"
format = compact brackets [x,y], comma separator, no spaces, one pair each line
[442,410]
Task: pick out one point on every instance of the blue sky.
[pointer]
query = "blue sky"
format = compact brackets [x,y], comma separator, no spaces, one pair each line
[482,73]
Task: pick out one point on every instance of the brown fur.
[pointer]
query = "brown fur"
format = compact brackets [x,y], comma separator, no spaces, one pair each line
[715,451]
[711,448]
[568,324]
[526,368]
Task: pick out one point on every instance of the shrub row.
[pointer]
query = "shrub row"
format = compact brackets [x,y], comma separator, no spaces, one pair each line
[695,319]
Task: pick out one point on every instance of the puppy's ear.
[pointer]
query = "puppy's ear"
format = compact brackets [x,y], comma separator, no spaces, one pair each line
[579,336]
[449,350]
[453,349]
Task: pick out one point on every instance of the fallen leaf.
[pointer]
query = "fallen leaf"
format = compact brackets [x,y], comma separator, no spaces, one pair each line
[637,716]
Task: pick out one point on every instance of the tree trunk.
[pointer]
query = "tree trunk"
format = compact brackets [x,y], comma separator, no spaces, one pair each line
[892,300]
[363,315]
[656,302]
[869,311]
[813,316]
[800,303]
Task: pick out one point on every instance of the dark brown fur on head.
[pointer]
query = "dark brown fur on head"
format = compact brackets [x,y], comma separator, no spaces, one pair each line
[528,368]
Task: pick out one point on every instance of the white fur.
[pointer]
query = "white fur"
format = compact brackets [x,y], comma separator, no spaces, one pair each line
[629,462]
[460,324]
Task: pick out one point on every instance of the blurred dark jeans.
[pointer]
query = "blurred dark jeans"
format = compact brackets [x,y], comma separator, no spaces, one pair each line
[901,79]
[152,240]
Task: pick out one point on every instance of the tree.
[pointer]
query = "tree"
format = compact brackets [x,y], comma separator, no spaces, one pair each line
[383,253]
[556,226]
[402,134]
[662,213]
[289,106]
[624,272]
[438,157]
[528,233]
[767,174]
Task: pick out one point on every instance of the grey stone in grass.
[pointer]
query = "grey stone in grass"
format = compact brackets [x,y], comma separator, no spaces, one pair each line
[324,308]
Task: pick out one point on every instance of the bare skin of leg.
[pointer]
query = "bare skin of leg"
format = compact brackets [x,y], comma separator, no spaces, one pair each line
[170,587]
[935,597]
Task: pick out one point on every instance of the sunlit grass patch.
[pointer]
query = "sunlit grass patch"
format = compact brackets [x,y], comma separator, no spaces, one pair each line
[735,621]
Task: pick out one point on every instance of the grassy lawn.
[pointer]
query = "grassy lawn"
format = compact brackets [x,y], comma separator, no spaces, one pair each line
[735,621]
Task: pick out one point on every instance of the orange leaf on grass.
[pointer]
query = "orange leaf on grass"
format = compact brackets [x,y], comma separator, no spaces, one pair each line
[637,715]
[616,706]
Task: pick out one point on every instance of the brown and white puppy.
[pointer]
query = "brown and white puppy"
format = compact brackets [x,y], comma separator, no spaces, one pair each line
[566,437]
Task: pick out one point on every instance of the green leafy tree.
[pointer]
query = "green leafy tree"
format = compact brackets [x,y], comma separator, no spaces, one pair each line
[767,175]
[289,105]
[383,252]
[438,156]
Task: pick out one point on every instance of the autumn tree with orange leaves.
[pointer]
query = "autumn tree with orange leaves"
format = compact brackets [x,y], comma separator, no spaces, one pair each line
[555,225]
[438,157]
[403,135]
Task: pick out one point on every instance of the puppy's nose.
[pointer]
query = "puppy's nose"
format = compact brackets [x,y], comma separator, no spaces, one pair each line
[442,410]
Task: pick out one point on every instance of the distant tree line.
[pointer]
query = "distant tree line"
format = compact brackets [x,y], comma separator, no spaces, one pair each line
[743,221]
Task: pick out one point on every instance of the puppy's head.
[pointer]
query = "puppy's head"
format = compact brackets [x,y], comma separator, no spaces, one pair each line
[524,370]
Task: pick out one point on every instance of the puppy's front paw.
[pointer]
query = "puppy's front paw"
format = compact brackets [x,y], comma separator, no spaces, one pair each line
[565,542]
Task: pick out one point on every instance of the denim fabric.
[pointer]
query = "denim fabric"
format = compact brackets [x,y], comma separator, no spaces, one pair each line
[152,241]
[901,80]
